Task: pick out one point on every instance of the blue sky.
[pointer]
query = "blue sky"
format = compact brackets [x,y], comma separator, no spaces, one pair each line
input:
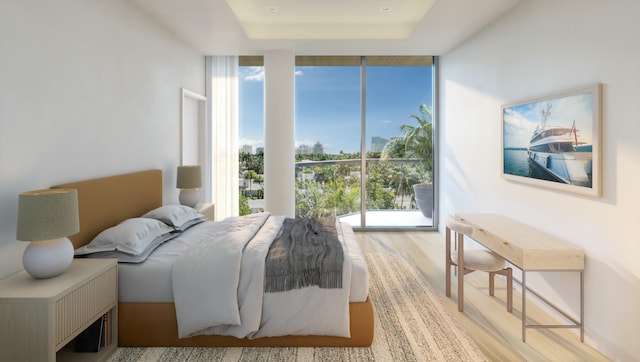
[520,120]
[328,104]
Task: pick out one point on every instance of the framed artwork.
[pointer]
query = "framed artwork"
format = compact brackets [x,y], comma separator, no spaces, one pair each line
[554,141]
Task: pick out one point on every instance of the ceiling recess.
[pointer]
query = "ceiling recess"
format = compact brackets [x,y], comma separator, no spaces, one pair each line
[329,19]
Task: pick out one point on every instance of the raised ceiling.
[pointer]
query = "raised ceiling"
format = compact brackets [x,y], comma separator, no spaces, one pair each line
[324,27]
[329,19]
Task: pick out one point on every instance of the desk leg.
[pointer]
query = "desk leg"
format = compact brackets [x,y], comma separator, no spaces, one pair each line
[581,306]
[524,306]
[460,272]
[576,323]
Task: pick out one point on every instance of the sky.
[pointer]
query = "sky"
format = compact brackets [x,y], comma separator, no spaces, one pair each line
[520,120]
[327,107]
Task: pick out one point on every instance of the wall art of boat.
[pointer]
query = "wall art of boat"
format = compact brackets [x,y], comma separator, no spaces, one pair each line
[556,154]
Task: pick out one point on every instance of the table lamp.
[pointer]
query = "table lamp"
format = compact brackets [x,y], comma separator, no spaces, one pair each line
[189,179]
[46,218]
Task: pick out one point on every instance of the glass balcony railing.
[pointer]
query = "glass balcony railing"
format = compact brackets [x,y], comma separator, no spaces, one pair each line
[333,188]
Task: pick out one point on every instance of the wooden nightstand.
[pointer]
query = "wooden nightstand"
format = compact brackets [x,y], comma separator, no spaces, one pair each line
[40,316]
[208,210]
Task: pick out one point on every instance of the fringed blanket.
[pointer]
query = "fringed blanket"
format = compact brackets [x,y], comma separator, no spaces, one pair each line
[307,252]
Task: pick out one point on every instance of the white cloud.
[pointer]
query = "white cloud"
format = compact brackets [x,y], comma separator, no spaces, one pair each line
[256,74]
[252,74]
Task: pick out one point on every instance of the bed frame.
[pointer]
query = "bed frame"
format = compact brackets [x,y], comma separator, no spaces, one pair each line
[106,201]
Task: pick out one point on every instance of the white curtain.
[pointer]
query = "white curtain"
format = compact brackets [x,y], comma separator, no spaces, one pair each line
[222,105]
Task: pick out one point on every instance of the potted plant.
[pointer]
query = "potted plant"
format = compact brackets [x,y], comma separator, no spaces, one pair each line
[419,144]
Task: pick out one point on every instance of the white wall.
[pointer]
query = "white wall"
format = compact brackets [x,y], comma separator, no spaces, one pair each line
[279,132]
[87,89]
[542,47]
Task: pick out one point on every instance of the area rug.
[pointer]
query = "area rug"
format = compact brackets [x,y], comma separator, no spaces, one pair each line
[411,324]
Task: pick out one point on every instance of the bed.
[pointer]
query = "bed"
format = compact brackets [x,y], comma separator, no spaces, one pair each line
[107,201]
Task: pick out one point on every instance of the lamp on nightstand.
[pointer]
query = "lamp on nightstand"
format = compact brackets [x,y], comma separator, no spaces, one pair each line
[46,218]
[189,180]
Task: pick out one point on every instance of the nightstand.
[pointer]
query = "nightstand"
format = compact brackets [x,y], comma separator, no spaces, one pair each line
[208,210]
[40,316]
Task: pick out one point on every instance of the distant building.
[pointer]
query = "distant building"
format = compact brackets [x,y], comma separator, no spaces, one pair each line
[246,149]
[318,148]
[378,143]
[249,187]
[259,150]
[303,149]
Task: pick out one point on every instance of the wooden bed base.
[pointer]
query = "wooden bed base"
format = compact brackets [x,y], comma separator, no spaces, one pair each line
[106,201]
[154,324]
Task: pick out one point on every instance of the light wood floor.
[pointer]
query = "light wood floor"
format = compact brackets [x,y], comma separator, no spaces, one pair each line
[485,318]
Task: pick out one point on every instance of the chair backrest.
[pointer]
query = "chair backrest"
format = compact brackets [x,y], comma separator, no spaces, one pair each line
[457,226]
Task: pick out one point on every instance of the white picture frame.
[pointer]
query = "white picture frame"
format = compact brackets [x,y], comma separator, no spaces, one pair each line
[554,141]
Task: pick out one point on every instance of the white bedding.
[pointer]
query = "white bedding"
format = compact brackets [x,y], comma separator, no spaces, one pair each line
[151,282]
[212,281]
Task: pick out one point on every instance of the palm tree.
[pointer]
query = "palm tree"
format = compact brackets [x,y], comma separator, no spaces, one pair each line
[419,144]
[396,148]
[419,138]
[250,175]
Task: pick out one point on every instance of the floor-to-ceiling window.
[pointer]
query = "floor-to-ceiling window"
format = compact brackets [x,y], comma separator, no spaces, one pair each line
[364,138]
[251,133]
[328,133]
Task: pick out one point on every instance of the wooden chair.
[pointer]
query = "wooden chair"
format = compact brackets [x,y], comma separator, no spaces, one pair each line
[471,260]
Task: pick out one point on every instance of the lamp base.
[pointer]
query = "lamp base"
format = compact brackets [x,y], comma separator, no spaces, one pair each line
[189,197]
[47,258]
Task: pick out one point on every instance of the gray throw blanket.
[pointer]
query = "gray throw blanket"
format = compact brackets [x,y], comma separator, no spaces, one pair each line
[307,252]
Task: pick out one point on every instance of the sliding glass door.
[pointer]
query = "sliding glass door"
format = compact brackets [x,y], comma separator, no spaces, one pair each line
[327,122]
[364,131]
[364,138]
[251,131]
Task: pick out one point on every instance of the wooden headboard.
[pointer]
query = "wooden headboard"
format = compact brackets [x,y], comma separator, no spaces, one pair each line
[106,201]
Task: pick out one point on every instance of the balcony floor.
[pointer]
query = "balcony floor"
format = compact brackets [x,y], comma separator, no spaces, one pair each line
[389,219]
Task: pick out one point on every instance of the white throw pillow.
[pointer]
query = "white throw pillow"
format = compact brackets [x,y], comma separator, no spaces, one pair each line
[132,236]
[126,257]
[181,217]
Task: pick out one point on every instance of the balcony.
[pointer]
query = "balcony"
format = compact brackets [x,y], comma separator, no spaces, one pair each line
[389,219]
[332,187]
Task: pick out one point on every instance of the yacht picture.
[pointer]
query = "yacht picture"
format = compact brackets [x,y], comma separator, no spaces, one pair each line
[553,153]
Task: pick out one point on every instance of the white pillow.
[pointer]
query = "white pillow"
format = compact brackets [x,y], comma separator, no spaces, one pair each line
[179,216]
[132,236]
[125,257]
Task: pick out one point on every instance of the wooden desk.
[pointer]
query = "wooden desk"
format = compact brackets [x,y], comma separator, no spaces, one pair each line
[529,249]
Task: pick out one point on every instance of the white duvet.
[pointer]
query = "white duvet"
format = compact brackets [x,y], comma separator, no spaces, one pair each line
[218,287]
